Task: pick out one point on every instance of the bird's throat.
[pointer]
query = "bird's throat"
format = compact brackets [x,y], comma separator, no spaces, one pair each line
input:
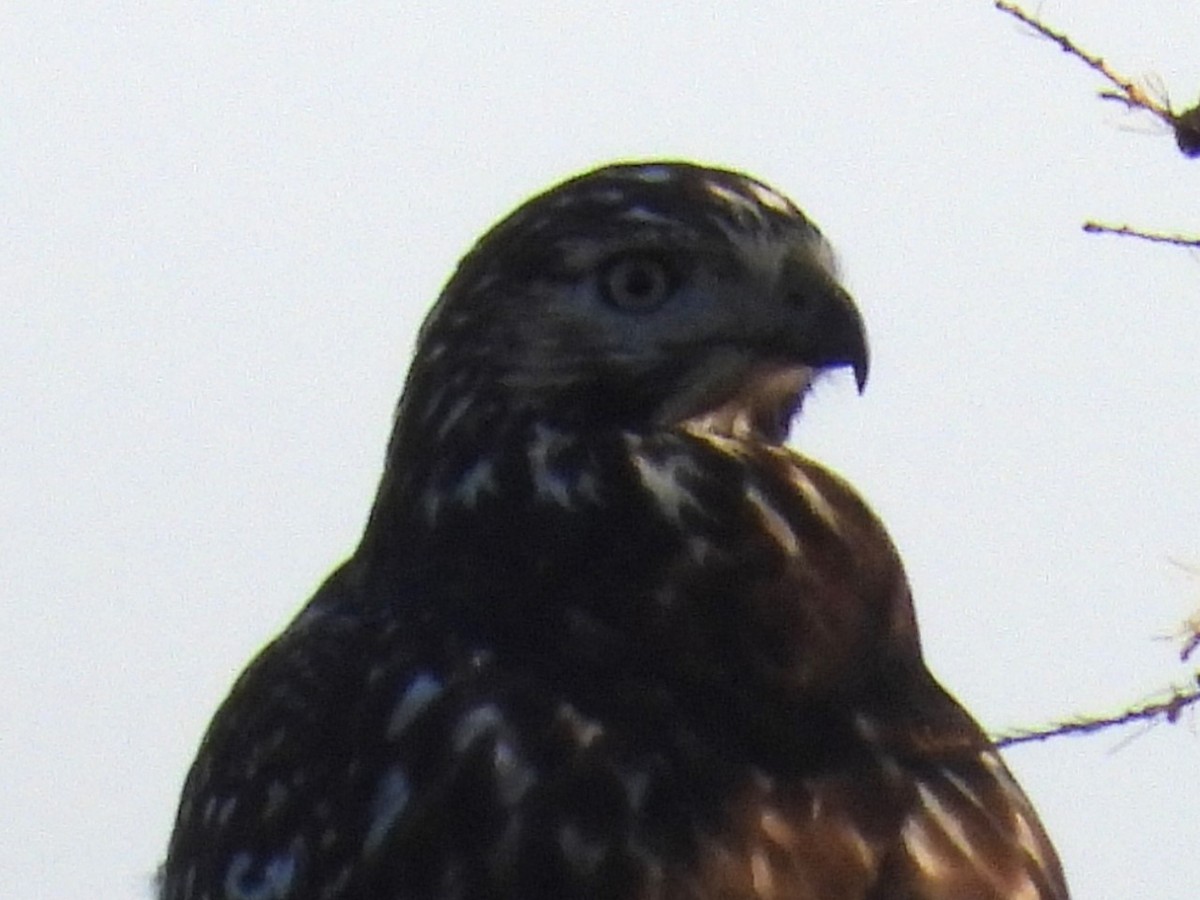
[761,407]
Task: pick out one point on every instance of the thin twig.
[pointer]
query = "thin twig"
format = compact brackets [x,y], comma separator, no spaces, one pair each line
[1128,91]
[1169,709]
[1178,240]
[1191,637]
[1189,630]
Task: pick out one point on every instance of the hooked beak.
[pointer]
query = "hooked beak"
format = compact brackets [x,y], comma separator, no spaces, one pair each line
[754,387]
[836,336]
[761,396]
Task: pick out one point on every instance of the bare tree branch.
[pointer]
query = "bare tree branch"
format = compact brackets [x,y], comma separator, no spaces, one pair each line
[1186,124]
[1168,709]
[1130,92]
[1179,240]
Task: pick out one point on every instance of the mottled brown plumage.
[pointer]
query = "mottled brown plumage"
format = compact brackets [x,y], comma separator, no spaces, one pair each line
[605,636]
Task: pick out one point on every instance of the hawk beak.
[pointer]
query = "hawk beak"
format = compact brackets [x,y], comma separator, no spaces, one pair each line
[859,354]
[837,335]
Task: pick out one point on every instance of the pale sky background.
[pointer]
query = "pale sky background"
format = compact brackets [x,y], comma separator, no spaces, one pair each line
[220,227]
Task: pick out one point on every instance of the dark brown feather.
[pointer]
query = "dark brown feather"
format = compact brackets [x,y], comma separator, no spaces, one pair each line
[600,641]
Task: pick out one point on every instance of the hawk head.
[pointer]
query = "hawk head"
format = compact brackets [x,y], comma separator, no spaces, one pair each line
[638,296]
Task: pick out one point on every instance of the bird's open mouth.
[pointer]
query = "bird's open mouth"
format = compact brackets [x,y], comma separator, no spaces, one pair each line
[762,407]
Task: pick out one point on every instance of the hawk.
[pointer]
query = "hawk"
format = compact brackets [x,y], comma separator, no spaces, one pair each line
[605,636]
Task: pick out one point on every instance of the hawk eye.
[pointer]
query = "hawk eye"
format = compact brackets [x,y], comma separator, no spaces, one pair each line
[636,282]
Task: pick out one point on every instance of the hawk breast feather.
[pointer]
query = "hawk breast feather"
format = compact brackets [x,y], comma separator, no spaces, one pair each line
[605,636]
